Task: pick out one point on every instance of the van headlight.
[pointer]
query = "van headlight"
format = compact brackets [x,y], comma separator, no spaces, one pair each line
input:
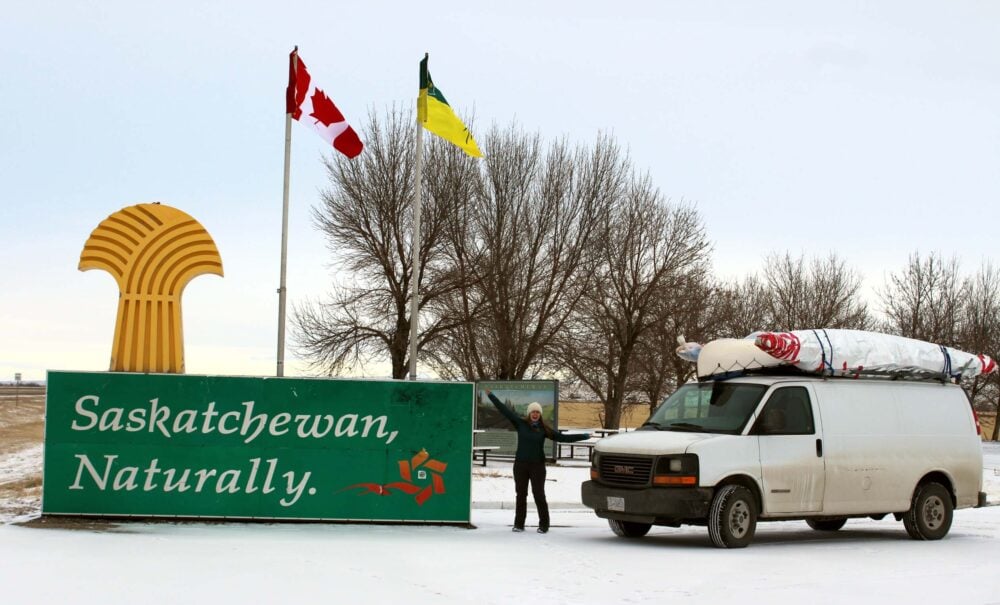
[678,470]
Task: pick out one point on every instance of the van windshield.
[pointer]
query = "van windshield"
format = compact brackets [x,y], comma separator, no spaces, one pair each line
[707,407]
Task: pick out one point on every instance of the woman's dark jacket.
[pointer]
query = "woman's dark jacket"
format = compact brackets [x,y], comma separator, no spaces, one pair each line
[531,437]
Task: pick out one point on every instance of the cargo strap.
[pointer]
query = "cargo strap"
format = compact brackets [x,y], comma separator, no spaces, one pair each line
[826,363]
[947,362]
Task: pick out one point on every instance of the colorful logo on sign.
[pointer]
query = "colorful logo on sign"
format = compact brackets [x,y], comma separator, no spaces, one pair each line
[420,465]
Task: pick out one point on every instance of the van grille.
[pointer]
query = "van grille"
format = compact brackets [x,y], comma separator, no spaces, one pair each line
[625,470]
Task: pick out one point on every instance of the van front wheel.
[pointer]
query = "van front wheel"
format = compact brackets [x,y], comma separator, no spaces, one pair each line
[929,517]
[629,529]
[732,518]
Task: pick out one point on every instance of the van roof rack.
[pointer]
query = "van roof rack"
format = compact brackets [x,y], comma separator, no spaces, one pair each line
[790,371]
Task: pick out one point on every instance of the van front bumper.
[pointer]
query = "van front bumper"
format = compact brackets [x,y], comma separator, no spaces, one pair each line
[657,505]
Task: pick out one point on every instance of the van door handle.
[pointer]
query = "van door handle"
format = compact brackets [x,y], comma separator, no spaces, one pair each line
[819,448]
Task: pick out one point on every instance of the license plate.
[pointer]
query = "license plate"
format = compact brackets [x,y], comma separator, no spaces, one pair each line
[615,503]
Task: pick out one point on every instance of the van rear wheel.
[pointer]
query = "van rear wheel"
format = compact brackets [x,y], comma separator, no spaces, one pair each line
[732,518]
[930,514]
[629,529]
[826,524]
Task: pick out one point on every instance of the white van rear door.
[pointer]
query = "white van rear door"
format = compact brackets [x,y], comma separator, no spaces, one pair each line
[791,461]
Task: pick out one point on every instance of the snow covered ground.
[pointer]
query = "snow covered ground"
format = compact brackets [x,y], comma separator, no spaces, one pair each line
[579,561]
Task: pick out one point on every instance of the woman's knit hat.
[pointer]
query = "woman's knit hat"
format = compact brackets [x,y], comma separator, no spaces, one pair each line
[534,406]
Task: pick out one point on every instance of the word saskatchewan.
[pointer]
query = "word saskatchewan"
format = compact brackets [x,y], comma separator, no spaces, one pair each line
[162,419]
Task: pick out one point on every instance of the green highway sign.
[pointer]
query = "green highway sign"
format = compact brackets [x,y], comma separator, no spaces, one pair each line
[265,448]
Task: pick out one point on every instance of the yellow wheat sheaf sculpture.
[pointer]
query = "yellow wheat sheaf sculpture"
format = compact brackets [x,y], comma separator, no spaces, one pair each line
[152,251]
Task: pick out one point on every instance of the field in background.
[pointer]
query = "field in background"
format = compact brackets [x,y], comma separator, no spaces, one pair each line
[22,412]
[987,421]
[588,414]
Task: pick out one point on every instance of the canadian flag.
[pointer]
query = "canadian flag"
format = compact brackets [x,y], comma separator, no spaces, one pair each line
[310,106]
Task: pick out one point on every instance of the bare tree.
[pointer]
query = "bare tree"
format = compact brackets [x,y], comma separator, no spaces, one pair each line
[366,216]
[520,248]
[930,301]
[979,331]
[923,301]
[647,246]
[687,311]
[826,295]
[740,308]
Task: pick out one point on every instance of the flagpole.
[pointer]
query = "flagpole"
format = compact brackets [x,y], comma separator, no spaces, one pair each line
[415,253]
[284,234]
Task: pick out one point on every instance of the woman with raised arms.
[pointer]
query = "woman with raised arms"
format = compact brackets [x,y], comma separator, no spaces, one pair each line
[529,461]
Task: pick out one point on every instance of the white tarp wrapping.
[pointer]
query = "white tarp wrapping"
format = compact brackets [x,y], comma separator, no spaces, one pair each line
[850,352]
[834,353]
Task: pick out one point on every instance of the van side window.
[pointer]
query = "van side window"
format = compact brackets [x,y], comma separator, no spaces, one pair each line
[787,412]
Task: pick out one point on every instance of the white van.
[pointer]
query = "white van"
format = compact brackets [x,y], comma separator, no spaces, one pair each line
[729,453]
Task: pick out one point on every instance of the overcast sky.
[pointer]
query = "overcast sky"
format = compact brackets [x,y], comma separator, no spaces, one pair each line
[871,129]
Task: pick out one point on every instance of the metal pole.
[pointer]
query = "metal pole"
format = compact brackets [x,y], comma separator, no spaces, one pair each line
[415,272]
[284,239]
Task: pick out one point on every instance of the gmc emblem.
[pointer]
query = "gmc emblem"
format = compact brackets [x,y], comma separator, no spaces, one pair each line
[624,470]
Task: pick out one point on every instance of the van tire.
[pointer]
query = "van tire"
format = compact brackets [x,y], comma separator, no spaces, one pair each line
[732,518]
[826,524]
[930,514]
[629,529]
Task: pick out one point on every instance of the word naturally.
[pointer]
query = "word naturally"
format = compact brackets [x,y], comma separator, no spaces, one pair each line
[164,420]
[114,475]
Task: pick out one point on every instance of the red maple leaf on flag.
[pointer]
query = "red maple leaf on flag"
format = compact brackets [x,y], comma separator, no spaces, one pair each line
[324,117]
[324,110]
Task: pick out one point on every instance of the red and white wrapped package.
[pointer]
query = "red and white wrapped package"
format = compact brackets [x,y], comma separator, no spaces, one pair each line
[854,352]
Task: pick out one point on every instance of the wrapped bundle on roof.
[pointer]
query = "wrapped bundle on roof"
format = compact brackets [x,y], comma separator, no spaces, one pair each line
[832,352]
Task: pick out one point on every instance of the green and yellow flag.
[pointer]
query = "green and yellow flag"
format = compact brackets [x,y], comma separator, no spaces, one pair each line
[434,113]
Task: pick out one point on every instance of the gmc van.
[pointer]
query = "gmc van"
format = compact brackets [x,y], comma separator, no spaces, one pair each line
[729,453]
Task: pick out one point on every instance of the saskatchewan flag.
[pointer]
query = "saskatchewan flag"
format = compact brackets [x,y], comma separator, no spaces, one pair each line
[434,113]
